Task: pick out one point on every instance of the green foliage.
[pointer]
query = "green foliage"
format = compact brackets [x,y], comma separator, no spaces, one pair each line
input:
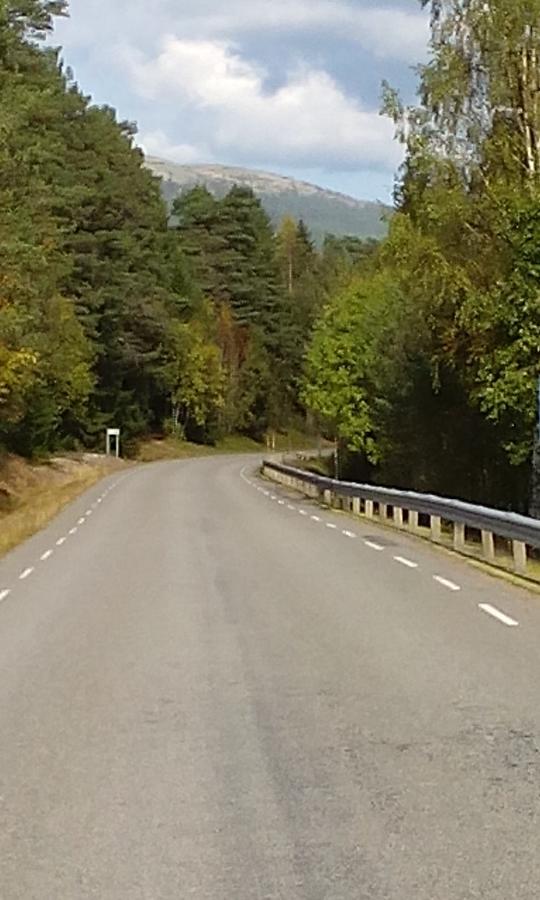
[427,361]
[108,316]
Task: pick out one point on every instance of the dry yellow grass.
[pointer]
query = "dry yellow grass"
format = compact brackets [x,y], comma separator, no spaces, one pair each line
[35,494]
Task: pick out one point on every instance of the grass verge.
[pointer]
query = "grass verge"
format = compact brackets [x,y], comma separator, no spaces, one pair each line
[173,448]
[35,494]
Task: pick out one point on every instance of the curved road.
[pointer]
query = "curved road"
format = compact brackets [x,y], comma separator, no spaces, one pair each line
[206,692]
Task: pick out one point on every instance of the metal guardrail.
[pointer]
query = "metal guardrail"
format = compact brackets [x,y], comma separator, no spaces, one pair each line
[522,531]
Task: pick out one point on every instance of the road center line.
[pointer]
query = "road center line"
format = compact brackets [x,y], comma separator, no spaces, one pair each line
[26,573]
[373,545]
[406,562]
[446,583]
[497,614]
[4,595]
[46,555]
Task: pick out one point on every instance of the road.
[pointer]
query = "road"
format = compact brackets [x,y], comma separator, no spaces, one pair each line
[208,691]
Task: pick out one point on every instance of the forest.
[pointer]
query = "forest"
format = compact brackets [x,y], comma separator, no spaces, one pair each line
[419,355]
[425,364]
[115,313]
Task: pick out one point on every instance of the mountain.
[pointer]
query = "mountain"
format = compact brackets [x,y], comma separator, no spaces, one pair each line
[324,212]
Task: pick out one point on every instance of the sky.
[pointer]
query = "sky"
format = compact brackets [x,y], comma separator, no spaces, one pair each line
[285,86]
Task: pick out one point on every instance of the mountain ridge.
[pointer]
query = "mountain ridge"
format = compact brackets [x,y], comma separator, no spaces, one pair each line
[324,211]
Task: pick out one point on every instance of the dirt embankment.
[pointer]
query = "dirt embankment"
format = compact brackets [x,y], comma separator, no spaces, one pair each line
[31,494]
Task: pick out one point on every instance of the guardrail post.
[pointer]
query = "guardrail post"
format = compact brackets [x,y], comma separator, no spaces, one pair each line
[519,551]
[398,517]
[435,527]
[356,506]
[327,497]
[488,545]
[413,520]
[459,536]
[383,511]
[369,509]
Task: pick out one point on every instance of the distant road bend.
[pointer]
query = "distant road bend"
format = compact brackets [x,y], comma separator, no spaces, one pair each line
[211,688]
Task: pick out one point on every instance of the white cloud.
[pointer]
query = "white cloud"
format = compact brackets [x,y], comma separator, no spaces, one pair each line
[388,31]
[156,143]
[306,121]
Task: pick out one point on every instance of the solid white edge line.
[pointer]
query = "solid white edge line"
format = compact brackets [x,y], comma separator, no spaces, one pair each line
[4,594]
[26,573]
[446,583]
[373,546]
[497,614]
[406,562]
[46,555]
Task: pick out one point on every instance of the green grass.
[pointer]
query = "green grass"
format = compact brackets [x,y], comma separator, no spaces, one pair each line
[173,448]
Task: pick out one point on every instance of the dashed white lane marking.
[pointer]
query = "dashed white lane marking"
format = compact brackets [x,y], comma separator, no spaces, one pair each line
[302,512]
[73,530]
[331,525]
[61,541]
[273,497]
[81,521]
[46,555]
[349,534]
[497,614]
[446,583]
[88,512]
[373,546]
[4,595]
[316,518]
[281,502]
[26,573]
[99,500]
[406,562]
[290,506]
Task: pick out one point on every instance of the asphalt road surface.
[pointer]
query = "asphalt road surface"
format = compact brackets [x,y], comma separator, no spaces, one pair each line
[211,688]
